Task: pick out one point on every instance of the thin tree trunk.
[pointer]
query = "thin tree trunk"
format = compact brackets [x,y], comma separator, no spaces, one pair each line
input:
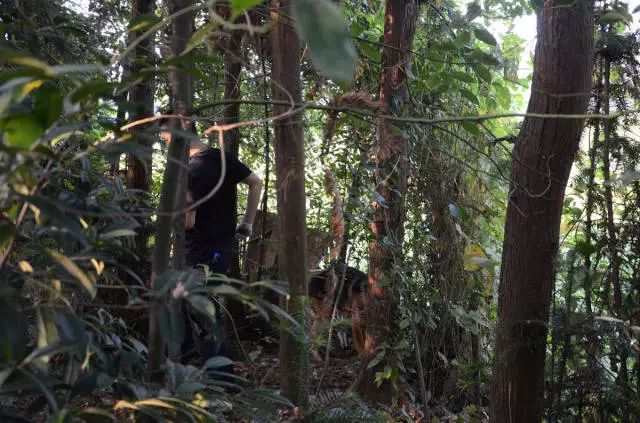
[613,279]
[141,97]
[391,176]
[173,191]
[290,182]
[267,158]
[232,71]
[543,157]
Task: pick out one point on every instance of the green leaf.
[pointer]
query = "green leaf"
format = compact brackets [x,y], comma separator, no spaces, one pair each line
[118,233]
[471,127]
[462,76]
[87,283]
[485,36]
[483,73]
[204,306]
[239,6]
[585,248]
[142,22]
[6,233]
[469,96]
[199,36]
[216,362]
[613,18]
[22,131]
[323,26]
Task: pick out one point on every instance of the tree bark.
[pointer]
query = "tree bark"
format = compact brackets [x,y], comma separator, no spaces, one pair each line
[290,187]
[232,71]
[391,179]
[543,157]
[141,97]
[173,191]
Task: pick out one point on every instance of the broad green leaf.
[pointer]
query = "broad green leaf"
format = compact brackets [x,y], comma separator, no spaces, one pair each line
[372,52]
[239,6]
[87,283]
[462,76]
[199,36]
[216,363]
[204,306]
[613,18]
[47,335]
[469,96]
[22,131]
[323,26]
[471,127]
[485,36]
[483,73]
[6,233]
[118,233]
[584,248]
[143,22]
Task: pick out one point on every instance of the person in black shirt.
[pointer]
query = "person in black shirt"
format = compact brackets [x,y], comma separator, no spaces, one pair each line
[211,227]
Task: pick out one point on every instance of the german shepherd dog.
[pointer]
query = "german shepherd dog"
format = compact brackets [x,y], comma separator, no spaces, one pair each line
[343,288]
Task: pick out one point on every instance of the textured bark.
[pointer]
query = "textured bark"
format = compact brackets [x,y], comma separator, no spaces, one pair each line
[138,174]
[141,97]
[232,72]
[613,275]
[543,157]
[391,177]
[289,151]
[172,195]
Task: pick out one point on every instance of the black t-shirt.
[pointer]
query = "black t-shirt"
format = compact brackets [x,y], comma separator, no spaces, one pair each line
[215,219]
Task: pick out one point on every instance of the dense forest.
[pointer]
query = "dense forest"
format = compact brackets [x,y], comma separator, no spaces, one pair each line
[319,210]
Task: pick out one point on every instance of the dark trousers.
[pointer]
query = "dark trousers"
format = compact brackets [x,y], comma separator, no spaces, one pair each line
[209,343]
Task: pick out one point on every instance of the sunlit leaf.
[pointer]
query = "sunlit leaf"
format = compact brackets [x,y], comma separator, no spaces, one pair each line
[87,283]
[323,26]
[22,131]
[199,36]
[143,22]
[471,127]
[239,6]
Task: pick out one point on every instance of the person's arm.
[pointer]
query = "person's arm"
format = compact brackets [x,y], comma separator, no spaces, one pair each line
[255,189]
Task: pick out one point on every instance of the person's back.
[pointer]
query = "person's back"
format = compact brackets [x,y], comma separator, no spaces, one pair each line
[215,223]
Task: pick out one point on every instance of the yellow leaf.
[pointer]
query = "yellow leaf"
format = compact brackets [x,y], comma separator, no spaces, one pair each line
[25,266]
[472,252]
[99,265]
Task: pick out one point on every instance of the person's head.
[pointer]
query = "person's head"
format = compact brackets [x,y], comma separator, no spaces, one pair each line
[166,128]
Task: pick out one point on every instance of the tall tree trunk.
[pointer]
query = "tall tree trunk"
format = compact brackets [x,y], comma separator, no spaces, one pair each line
[173,192]
[141,97]
[292,242]
[391,179]
[613,276]
[182,99]
[543,157]
[232,71]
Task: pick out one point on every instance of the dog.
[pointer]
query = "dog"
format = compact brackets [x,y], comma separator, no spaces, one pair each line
[345,289]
